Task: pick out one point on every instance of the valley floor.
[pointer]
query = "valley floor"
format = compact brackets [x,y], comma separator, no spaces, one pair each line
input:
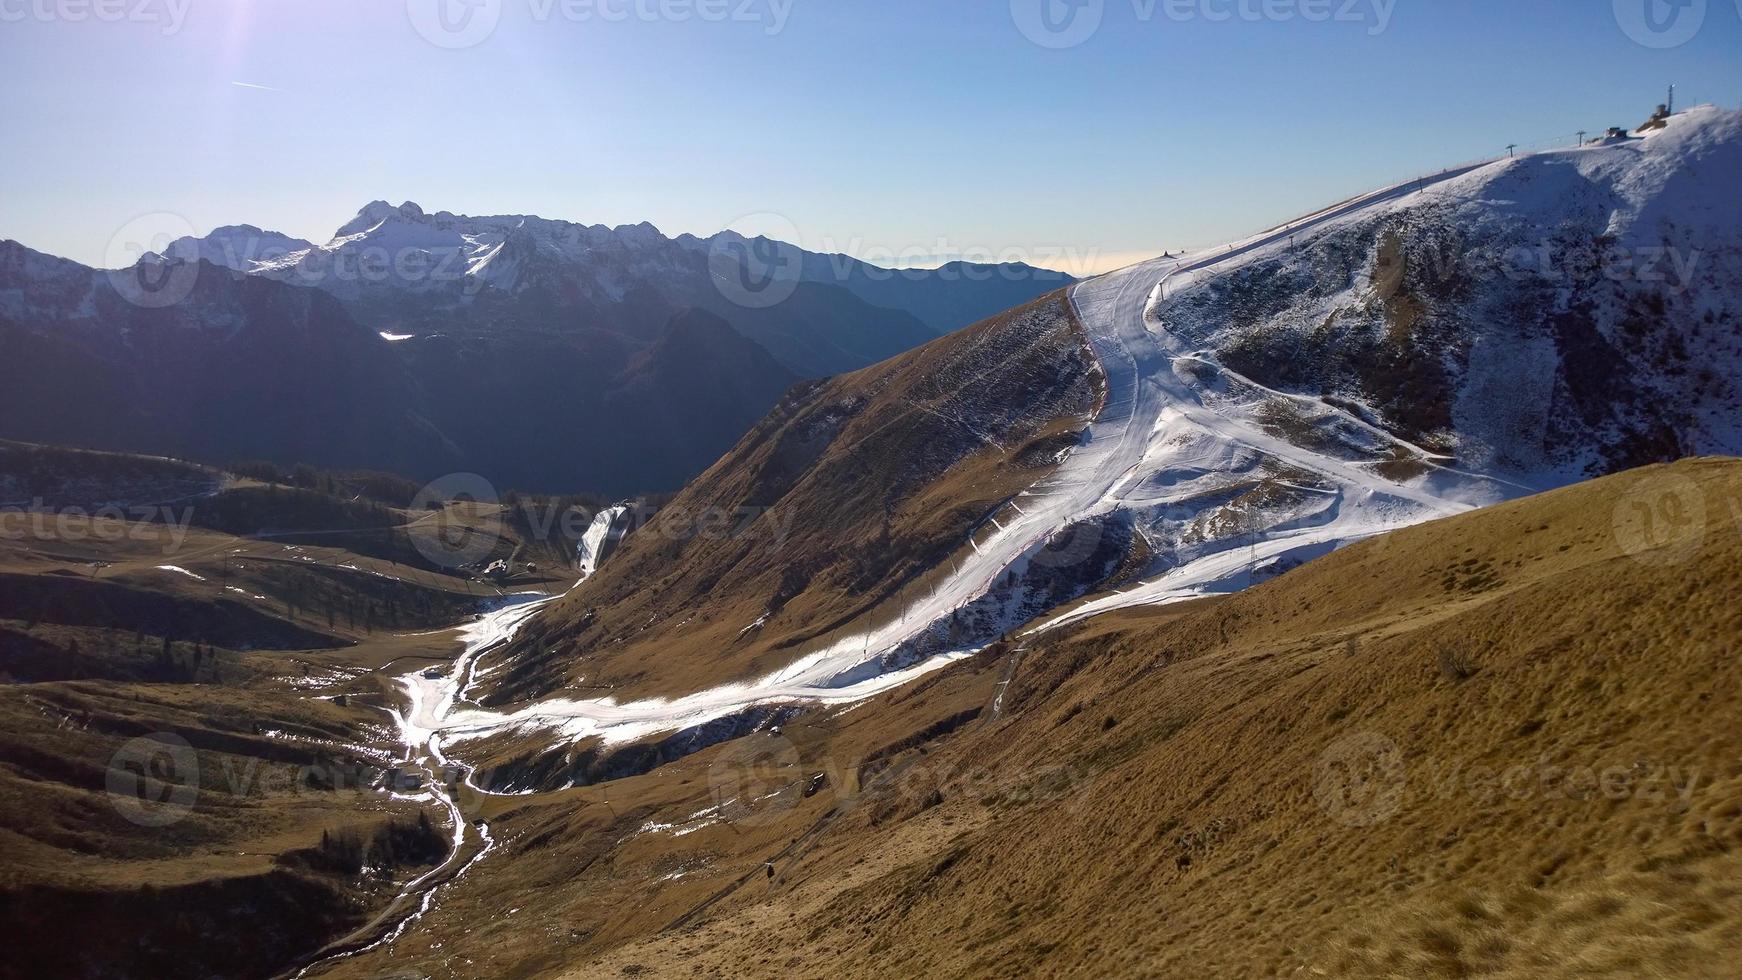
[196,727]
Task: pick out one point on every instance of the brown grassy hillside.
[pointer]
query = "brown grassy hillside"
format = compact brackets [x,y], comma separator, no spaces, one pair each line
[846,494]
[1507,744]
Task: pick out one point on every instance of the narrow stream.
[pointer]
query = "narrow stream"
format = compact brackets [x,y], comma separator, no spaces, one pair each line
[432,694]
[423,755]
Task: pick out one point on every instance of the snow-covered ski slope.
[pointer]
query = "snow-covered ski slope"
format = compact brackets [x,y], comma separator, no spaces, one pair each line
[1226,481]
[1230,482]
[1186,439]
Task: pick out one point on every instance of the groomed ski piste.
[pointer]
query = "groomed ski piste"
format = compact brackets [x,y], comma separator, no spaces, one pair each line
[1177,429]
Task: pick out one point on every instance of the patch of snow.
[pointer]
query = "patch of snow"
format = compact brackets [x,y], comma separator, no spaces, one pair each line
[599,539]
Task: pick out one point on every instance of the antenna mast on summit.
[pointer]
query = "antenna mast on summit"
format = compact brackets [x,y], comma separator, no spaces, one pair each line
[1670,105]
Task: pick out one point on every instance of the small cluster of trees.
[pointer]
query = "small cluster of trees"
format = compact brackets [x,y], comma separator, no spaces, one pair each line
[189,665]
[279,507]
[308,593]
[387,488]
[394,844]
[357,610]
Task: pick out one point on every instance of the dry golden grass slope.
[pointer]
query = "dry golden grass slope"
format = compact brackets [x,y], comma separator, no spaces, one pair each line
[1508,744]
[850,491]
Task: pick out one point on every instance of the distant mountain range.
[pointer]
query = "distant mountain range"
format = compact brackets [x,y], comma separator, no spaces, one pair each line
[545,354]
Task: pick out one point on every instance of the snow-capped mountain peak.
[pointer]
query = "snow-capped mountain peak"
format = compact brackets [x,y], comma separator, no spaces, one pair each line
[374,214]
[243,248]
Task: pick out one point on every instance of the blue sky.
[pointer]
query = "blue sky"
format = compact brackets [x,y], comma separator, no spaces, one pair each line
[879,127]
